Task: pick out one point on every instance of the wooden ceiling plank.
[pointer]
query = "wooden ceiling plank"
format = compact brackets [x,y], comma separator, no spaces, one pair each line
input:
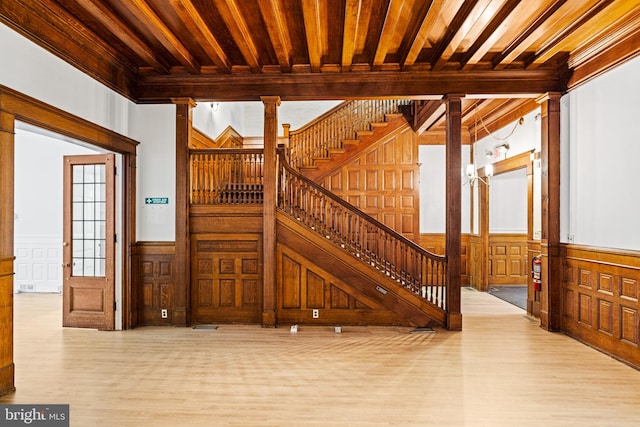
[142,11]
[582,29]
[478,19]
[452,29]
[494,30]
[351,21]
[311,13]
[203,35]
[278,33]
[388,30]
[240,32]
[110,20]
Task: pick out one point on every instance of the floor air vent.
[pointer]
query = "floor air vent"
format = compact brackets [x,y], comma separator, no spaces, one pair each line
[205,327]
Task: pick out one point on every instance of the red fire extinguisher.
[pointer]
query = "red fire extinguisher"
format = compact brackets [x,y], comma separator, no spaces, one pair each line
[536,273]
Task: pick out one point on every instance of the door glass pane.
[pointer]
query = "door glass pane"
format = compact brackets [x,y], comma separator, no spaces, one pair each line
[89,220]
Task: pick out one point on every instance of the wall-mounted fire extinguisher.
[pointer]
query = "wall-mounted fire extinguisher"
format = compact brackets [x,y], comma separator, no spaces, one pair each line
[536,273]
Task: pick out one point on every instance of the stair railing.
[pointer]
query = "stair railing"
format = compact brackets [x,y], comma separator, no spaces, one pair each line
[226,176]
[315,140]
[368,240]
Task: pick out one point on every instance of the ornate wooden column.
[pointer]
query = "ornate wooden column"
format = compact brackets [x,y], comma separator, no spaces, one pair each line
[7,157]
[182,285]
[269,315]
[551,296]
[454,209]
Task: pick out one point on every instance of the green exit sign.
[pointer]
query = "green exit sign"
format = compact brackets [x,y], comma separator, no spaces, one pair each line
[156,200]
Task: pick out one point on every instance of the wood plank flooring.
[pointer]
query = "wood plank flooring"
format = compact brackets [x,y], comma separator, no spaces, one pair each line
[501,370]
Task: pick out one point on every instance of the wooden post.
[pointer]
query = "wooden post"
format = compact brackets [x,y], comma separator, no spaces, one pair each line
[7,156]
[551,296]
[269,315]
[182,285]
[454,209]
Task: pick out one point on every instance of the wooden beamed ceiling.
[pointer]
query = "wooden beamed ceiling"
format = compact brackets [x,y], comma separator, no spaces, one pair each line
[239,50]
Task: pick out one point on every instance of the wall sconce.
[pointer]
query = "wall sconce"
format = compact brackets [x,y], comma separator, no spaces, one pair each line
[473,176]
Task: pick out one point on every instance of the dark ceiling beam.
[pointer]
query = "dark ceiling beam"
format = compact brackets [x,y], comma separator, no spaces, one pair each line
[203,35]
[145,14]
[426,114]
[444,45]
[273,17]
[349,37]
[311,12]
[354,85]
[240,32]
[414,43]
[99,11]
[388,30]
[516,44]
[495,29]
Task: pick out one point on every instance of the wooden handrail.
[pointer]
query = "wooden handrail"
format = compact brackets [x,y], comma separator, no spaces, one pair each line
[315,140]
[367,239]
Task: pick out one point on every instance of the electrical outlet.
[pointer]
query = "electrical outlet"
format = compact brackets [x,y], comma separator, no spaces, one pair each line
[315,313]
[165,313]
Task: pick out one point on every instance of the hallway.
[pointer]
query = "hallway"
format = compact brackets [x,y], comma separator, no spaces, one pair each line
[501,370]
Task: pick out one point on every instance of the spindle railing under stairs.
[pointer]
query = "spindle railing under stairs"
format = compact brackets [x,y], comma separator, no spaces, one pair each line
[316,140]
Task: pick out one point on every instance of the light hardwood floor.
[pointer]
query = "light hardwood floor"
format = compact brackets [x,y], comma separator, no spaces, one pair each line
[501,370]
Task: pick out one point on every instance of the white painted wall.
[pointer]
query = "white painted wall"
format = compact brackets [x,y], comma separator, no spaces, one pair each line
[433,211]
[38,210]
[508,202]
[600,197]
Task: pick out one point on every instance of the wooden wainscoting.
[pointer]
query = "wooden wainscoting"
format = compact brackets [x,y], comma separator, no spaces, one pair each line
[508,259]
[226,264]
[601,293]
[6,326]
[154,282]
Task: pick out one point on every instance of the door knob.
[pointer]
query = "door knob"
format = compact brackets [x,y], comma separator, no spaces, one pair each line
[66,265]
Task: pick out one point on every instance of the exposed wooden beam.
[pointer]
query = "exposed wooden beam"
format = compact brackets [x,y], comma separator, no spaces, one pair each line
[495,29]
[240,32]
[417,37]
[143,12]
[278,33]
[582,29]
[388,30]
[524,39]
[109,19]
[427,114]
[453,28]
[203,35]
[311,12]
[477,18]
[351,21]
[310,86]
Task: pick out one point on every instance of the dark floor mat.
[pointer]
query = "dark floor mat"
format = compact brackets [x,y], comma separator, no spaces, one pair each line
[516,295]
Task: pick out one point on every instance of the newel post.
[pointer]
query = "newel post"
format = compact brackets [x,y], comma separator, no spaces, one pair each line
[269,316]
[454,209]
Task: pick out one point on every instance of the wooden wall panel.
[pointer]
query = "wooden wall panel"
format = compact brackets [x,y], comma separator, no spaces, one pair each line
[382,181]
[153,279]
[435,243]
[303,287]
[601,299]
[7,367]
[225,268]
